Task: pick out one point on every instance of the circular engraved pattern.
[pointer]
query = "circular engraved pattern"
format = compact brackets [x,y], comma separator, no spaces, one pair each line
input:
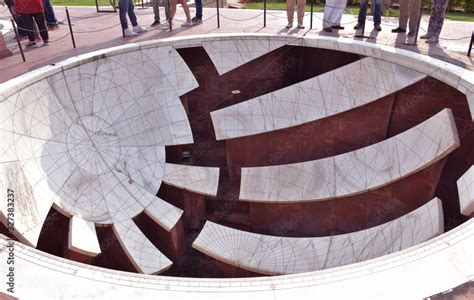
[93,145]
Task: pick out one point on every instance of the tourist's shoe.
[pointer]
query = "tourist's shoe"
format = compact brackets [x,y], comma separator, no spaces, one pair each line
[337,27]
[300,26]
[138,29]
[154,24]
[127,32]
[196,21]
[411,33]
[289,25]
[187,24]
[358,26]
[53,26]
[165,24]
[46,43]
[425,36]
[432,40]
[377,27]
[31,44]
[327,29]
[399,30]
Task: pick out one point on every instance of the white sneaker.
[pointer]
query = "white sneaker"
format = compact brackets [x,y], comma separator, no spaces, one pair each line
[187,24]
[127,32]
[289,25]
[165,24]
[138,29]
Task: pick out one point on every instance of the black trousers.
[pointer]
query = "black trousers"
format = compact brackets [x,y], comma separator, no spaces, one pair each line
[29,26]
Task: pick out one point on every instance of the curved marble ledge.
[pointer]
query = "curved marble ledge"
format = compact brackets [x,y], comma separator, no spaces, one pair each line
[82,237]
[348,87]
[354,172]
[273,255]
[142,253]
[455,76]
[466,192]
[229,54]
[443,262]
[202,180]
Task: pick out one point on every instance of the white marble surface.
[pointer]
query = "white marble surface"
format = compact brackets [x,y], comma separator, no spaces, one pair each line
[202,180]
[274,255]
[142,253]
[466,192]
[82,237]
[163,213]
[227,55]
[348,87]
[91,137]
[354,172]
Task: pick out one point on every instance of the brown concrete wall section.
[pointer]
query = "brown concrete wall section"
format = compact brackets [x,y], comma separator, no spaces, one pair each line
[54,233]
[275,70]
[192,204]
[172,243]
[331,136]
[348,214]
[112,255]
[418,103]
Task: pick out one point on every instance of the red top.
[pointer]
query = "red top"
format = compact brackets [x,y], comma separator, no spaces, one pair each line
[28,6]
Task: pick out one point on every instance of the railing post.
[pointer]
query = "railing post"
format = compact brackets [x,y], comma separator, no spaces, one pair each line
[218,16]
[470,45]
[18,40]
[264,13]
[70,28]
[311,19]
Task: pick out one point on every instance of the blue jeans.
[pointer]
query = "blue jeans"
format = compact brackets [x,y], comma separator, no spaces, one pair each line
[126,6]
[198,9]
[49,13]
[377,11]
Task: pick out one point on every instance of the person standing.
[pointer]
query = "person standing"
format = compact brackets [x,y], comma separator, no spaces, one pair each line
[198,18]
[126,7]
[290,12]
[156,12]
[51,20]
[17,19]
[32,11]
[409,13]
[333,14]
[363,14]
[438,9]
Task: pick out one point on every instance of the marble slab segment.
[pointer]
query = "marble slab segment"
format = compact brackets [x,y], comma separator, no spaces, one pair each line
[357,171]
[345,88]
[202,180]
[163,213]
[142,253]
[83,237]
[227,55]
[466,192]
[273,255]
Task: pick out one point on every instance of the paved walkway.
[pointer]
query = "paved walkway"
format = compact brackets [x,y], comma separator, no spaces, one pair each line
[95,31]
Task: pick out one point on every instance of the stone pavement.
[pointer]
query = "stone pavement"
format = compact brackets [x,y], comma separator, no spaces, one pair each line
[94,31]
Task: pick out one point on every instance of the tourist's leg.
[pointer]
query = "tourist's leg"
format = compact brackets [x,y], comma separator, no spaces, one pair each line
[156,10]
[131,13]
[377,12]
[186,10]
[414,14]
[341,5]
[362,11]
[403,19]
[438,13]
[198,9]
[123,8]
[28,23]
[41,23]
[290,9]
[49,13]
[300,10]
